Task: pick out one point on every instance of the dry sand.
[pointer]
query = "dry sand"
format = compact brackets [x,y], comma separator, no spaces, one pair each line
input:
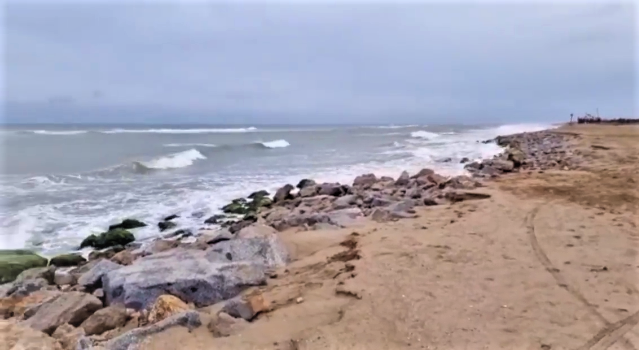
[549,262]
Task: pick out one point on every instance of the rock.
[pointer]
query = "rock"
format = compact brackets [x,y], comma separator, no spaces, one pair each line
[429,202]
[256,230]
[125,257]
[345,202]
[160,245]
[70,307]
[413,193]
[247,305]
[283,193]
[68,336]
[166,306]
[259,202]
[398,210]
[108,239]
[381,215]
[127,224]
[267,249]
[423,173]
[215,219]
[380,201]
[331,189]
[237,206]
[105,320]
[98,293]
[238,226]
[224,325]
[106,253]
[27,287]
[517,156]
[17,305]
[345,217]
[503,165]
[403,179]
[210,237]
[4,288]
[18,337]
[446,160]
[464,160]
[187,274]
[455,197]
[66,260]
[13,262]
[365,181]
[257,194]
[45,273]
[171,217]
[166,225]
[309,191]
[93,278]
[305,183]
[131,339]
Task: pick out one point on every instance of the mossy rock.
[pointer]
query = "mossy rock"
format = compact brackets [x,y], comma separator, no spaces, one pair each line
[108,239]
[66,260]
[259,202]
[13,262]
[237,206]
[165,225]
[257,194]
[127,224]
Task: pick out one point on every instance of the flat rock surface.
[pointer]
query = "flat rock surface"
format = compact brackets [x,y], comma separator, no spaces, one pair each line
[70,307]
[19,337]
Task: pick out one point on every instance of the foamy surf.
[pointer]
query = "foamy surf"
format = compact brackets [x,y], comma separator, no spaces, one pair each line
[189,145]
[421,134]
[59,132]
[275,144]
[174,161]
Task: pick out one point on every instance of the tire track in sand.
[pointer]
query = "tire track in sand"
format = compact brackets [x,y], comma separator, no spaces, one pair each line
[609,334]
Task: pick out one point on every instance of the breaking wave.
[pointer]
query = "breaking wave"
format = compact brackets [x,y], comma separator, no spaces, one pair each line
[275,144]
[173,161]
[189,145]
[179,131]
[59,132]
[421,134]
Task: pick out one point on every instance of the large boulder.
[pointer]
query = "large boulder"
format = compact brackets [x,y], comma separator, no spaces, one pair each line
[348,217]
[19,337]
[283,193]
[27,287]
[305,183]
[345,202]
[66,260]
[93,277]
[45,273]
[517,156]
[18,305]
[104,320]
[424,172]
[309,191]
[403,179]
[257,194]
[166,225]
[127,224]
[70,307]
[331,189]
[237,206]
[108,239]
[266,249]
[13,262]
[192,275]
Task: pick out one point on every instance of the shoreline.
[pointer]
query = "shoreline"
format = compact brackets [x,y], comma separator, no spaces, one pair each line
[331,265]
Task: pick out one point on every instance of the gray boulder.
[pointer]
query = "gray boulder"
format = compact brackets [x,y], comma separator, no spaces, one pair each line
[70,307]
[346,217]
[331,189]
[93,278]
[26,287]
[188,274]
[345,202]
[305,183]
[365,181]
[309,191]
[262,248]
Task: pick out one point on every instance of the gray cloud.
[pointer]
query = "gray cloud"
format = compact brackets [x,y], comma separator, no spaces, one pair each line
[311,63]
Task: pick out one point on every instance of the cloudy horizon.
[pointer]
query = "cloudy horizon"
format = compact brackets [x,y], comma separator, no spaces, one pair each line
[317,63]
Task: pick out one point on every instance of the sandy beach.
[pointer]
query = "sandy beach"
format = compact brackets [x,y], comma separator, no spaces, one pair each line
[548,262]
[537,251]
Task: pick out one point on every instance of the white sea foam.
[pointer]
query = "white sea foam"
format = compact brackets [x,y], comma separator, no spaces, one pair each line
[422,134]
[180,131]
[174,161]
[275,144]
[59,132]
[189,145]
[396,126]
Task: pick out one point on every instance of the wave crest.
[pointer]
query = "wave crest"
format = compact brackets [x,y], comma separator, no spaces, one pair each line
[275,144]
[189,145]
[173,161]
[421,134]
[59,132]
[179,131]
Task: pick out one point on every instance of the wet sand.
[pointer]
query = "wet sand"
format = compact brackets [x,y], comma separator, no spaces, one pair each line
[548,262]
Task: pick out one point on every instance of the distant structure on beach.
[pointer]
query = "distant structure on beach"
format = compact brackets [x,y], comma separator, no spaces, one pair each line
[590,119]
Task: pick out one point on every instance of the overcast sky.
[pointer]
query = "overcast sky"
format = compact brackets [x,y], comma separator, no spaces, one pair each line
[317,62]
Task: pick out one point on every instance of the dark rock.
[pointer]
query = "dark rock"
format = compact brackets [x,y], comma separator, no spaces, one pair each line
[192,275]
[93,277]
[26,287]
[305,183]
[46,273]
[237,206]
[446,160]
[331,189]
[13,262]
[464,160]
[165,225]
[171,217]
[197,214]
[257,194]
[423,173]
[127,224]
[215,219]
[283,193]
[108,239]
[66,260]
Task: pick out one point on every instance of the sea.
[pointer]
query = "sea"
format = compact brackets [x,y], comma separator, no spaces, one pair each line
[61,183]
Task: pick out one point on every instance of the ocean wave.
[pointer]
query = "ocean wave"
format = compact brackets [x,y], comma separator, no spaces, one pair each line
[274,144]
[173,161]
[58,132]
[189,145]
[396,126]
[179,131]
[421,134]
